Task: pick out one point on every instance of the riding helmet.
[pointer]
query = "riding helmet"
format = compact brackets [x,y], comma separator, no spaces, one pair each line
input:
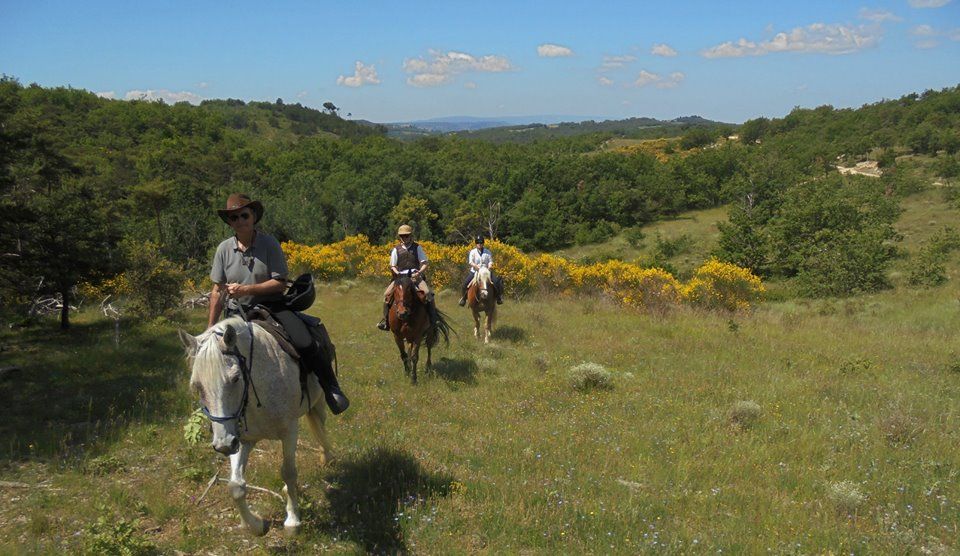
[301,293]
[478,239]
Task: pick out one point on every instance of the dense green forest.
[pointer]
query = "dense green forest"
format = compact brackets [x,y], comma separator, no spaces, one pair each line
[86,181]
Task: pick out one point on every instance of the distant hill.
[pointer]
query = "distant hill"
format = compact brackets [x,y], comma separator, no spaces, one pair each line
[524,129]
[630,128]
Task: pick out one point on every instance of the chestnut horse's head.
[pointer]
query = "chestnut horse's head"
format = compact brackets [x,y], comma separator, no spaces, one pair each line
[404,297]
[484,283]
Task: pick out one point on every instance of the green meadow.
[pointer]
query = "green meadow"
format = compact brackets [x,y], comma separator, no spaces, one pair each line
[802,427]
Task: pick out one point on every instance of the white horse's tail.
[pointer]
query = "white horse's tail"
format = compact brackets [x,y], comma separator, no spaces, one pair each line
[316,421]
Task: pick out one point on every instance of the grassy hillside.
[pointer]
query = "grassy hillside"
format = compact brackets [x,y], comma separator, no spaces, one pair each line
[694,234]
[813,427]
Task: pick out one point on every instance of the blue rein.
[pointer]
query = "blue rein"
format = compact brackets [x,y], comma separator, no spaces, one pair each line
[245,373]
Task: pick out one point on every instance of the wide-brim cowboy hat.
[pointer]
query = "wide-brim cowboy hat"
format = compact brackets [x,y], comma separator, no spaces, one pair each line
[239,201]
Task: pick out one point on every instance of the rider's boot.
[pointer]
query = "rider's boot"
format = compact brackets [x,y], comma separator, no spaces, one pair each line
[382,325]
[318,361]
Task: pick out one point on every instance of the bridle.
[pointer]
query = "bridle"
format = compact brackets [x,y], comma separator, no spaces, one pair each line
[245,372]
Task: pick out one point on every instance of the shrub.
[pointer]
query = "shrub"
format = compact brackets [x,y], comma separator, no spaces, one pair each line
[635,284]
[590,376]
[928,270]
[154,282]
[718,285]
[116,536]
[745,413]
[671,247]
[846,496]
[634,236]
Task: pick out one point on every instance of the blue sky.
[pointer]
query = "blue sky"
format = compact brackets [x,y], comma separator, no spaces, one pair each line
[396,61]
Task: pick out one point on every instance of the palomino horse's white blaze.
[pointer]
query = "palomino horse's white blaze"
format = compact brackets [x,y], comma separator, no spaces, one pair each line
[484,302]
[272,412]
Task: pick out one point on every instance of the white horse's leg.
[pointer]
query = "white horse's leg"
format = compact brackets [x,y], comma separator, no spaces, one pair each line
[288,471]
[476,323]
[238,490]
[486,336]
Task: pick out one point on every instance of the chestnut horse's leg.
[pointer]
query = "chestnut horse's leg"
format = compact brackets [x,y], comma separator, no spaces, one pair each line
[413,356]
[403,351]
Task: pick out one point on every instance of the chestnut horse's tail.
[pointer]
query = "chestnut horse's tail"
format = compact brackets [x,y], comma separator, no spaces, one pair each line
[441,328]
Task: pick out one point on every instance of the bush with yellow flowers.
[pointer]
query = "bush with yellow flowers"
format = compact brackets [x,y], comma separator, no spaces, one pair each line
[715,285]
[719,285]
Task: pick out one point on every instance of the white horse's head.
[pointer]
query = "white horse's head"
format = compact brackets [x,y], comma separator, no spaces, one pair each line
[482,278]
[219,376]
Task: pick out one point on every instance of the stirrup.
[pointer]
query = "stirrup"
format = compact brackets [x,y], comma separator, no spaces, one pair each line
[382,325]
[462,302]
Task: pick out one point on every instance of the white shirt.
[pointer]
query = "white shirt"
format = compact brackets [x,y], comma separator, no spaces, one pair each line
[476,258]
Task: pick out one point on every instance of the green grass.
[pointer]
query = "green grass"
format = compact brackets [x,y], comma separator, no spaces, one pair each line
[853,448]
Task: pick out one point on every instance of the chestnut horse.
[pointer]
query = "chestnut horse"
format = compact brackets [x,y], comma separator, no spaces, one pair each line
[482,298]
[409,321]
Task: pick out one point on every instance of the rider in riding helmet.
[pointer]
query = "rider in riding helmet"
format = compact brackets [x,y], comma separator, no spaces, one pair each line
[251,269]
[479,256]
[408,258]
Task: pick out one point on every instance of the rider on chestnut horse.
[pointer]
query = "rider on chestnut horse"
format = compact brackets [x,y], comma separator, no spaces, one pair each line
[408,258]
[479,256]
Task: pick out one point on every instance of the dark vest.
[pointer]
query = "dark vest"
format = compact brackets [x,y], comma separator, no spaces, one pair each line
[407,259]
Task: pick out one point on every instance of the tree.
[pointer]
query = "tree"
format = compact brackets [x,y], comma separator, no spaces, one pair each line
[415,212]
[331,108]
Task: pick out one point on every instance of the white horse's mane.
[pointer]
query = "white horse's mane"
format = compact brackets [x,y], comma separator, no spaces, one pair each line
[208,364]
[481,276]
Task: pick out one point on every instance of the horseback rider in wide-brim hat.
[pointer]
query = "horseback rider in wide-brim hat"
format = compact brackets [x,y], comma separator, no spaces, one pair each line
[408,258]
[250,268]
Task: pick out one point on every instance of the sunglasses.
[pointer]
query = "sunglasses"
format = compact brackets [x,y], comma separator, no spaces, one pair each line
[243,215]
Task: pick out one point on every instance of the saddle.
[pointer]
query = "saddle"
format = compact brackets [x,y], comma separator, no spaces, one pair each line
[262,316]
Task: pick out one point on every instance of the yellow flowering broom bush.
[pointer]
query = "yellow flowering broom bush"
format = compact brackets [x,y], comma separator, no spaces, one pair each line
[718,285]
[715,285]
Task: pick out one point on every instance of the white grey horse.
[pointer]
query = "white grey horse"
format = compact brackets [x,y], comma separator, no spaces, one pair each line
[250,390]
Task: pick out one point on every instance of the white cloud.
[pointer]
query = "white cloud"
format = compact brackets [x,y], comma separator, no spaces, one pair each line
[818,38]
[202,85]
[165,95]
[614,62]
[646,78]
[878,16]
[107,94]
[362,75]
[469,85]
[663,50]
[303,94]
[553,51]
[674,80]
[605,81]
[928,37]
[928,3]
[444,66]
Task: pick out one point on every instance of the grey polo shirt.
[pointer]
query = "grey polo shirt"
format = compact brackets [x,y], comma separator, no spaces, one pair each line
[261,261]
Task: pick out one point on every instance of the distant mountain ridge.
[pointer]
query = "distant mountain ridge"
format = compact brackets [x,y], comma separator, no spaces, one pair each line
[478,127]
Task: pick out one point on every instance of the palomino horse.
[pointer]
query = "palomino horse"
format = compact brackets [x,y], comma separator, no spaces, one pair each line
[482,298]
[410,323]
[232,360]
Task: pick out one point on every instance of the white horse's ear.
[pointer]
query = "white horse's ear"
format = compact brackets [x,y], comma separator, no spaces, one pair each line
[188,340]
[229,337]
